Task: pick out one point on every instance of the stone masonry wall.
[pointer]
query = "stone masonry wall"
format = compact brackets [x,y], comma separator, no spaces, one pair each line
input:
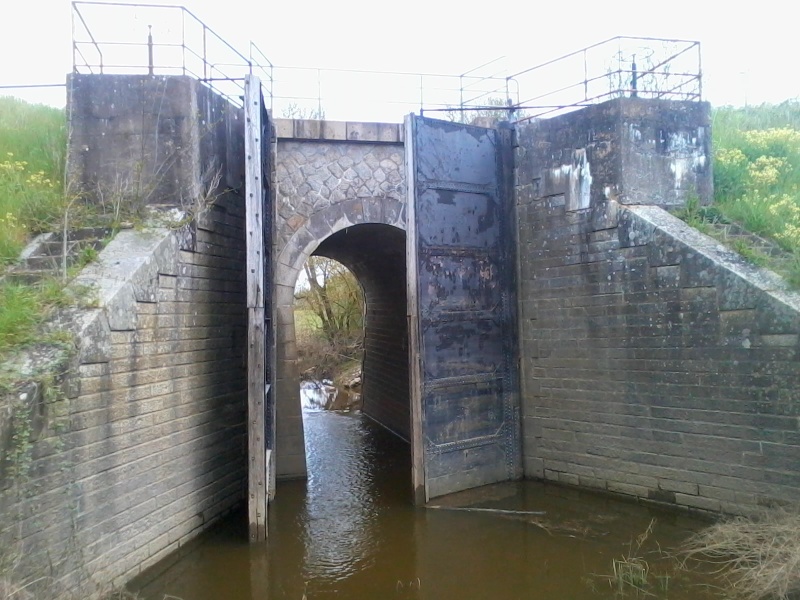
[147,140]
[329,176]
[655,363]
[139,443]
[149,446]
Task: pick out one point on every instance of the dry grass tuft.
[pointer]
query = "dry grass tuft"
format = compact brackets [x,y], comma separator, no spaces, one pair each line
[760,557]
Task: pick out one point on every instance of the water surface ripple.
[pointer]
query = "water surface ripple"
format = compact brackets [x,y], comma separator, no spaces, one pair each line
[351,532]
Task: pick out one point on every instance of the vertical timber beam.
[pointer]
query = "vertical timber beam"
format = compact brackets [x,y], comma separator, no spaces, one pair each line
[270,148]
[256,338]
[414,347]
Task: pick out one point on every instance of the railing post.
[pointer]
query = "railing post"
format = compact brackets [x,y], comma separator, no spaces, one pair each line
[205,53]
[699,73]
[585,77]
[319,93]
[421,97]
[74,43]
[150,49]
[183,40]
[461,92]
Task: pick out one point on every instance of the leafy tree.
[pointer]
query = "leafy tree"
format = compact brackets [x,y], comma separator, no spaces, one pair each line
[334,296]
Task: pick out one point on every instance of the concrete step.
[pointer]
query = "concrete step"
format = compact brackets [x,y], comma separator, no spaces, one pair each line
[733,234]
[28,276]
[51,262]
[81,237]
[44,255]
[56,247]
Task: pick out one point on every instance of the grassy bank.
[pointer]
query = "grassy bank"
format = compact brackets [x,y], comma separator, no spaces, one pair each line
[32,152]
[757,178]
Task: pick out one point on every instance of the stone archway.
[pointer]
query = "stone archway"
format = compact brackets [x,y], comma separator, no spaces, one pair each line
[330,223]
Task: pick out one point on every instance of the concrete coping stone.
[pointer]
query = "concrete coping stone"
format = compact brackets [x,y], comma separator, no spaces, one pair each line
[126,272]
[343,131]
[759,277]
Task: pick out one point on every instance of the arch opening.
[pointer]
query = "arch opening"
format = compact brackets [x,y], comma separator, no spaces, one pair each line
[329,325]
[376,255]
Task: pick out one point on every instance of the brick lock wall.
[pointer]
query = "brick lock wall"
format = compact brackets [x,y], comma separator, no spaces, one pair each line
[140,442]
[655,363]
[151,447]
[177,389]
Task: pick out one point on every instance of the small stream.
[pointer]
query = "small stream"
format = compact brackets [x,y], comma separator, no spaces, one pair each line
[351,532]
[324,396]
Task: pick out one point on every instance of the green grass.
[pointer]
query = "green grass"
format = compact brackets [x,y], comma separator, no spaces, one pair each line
[18,315]
[757,165]
[729,123]
[24,307]
[757,180]
[32,150]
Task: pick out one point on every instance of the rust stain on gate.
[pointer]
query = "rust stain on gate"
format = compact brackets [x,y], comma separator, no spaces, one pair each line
[462,307]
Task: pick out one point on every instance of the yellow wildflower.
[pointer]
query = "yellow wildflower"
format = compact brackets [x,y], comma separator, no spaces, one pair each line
[767,171]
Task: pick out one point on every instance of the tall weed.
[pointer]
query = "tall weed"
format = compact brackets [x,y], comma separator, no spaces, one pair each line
[32,150]
[24,306]
[758,556]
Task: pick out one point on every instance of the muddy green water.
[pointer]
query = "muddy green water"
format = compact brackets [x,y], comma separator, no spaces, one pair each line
[351,532]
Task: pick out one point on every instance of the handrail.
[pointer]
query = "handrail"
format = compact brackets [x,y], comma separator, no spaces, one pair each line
[592,46]
[229,67]
[190,47]
[666,69]
[165,6]
[89,31]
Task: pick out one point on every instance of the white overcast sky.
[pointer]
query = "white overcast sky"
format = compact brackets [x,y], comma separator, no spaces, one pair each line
[749,49]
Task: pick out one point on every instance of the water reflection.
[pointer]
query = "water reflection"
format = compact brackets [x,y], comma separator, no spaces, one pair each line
[351,532]
[336,534]
[340,512]
[323,395]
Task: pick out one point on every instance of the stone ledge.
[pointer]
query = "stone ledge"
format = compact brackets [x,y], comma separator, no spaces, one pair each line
[126,272]
[342,131]
[641,224]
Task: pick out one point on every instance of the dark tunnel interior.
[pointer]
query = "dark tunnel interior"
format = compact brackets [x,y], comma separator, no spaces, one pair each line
[376,254]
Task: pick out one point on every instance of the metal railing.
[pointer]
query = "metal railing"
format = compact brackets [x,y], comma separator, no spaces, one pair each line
[352,94]
[623,66]
[171,40]
[160,39]
[130,38]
